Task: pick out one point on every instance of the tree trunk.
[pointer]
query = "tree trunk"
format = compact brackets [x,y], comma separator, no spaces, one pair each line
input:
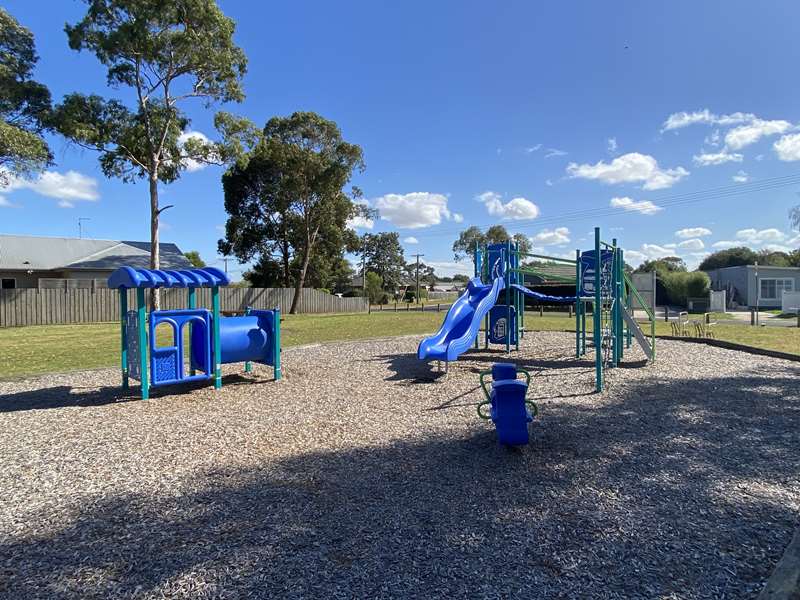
[285,253]
[155,263]
[301,278]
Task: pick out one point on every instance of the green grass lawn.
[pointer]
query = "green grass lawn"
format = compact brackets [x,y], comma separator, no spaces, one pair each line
[57,348]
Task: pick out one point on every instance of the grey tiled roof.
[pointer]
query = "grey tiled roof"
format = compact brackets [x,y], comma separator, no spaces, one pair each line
[23,252]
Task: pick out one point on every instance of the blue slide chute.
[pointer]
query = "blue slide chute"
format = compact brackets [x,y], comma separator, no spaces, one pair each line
[463,321]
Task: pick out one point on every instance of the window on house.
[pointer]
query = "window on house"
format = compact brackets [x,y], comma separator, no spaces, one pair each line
[772,289]
[8,283]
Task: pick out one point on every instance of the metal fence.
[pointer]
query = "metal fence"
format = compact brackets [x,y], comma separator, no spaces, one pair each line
[20,307]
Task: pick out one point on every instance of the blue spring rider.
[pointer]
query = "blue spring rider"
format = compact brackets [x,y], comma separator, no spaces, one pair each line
[213,340]
[510,411]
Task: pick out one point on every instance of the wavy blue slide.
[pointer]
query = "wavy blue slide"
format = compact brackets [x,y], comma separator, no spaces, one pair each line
[462,322]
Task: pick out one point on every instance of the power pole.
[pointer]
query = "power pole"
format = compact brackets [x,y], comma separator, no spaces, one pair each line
[418,257]
[80,226]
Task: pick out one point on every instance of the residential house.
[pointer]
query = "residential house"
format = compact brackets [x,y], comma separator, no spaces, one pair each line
[751,286]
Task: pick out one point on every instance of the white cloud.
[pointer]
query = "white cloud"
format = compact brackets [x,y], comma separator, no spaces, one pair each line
[779,248]
[458,217]
[788,147]
[190,164]
[741,177]
[534,148]
[646,207]
[359,222]
[630,168]
[744,135]
[450,268]
[723,244]
[713,139]
[515,209]
[760,236]
[70,186]
[6,203]
[648,252]
[716,158]
[671,246]
[551,237]
[552,152]
[682,119]
[415,210]
[612,145]
[759,157]
[692,232]
[693,244]
[548,182]
[410,240]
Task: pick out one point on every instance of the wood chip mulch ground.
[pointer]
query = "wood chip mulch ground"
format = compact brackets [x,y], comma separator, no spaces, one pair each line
[365,474]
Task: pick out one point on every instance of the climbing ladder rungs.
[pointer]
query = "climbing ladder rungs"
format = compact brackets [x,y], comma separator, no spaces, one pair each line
[633,325]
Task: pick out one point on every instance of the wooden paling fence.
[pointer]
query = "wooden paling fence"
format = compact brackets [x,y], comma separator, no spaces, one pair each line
[20,307]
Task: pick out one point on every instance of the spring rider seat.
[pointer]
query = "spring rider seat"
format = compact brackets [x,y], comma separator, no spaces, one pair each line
[509,410]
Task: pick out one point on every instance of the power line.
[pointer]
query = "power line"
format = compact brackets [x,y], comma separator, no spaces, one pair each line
[666,201]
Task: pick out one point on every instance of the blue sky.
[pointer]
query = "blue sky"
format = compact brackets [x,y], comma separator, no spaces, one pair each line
[549,118]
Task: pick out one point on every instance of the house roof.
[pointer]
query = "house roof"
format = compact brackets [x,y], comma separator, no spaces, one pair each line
[24,252]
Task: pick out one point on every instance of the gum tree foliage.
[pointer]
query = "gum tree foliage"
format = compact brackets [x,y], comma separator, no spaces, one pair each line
[286,203]
[464,246]
[166,52]
[24,104]
[668,264]
[731,257]
[193,256]
[383,254]
[373,288]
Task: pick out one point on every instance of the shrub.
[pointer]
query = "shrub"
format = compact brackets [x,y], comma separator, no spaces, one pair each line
[681,286]
[373,286]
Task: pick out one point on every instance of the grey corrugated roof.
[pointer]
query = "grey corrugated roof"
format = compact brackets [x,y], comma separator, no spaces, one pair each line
[24,252]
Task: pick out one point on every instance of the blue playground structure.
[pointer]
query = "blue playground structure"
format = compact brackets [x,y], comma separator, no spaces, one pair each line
[509,410]
[497,293]
[213,340]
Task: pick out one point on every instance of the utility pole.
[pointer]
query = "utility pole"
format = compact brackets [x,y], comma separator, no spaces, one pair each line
[418,257]
[225,260]
[80,226]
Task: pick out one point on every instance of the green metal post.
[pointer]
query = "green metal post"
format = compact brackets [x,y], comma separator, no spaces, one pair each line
[583,328]
[508,296]
[277,362]
[217,349]
[628,302]
[615,299]
[192,304]
[578,303]
[248,366]
[597,320]
[123,350]
[143,348]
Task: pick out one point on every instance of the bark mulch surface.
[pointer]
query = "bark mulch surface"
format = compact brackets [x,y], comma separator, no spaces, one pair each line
[365,474]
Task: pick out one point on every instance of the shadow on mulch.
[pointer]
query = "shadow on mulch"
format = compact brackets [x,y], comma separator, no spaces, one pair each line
[64,396]
[622,500]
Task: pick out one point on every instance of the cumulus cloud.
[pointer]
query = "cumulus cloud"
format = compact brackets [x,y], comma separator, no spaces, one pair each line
[716,158]
[692,232]
[723,244]
[410,240]
[648,252]
[683,119]
[612,145]
[360,222]
[450,268]
[760,236]
[191,164]
[515,209]
[744,135]
[415,210]
[693,244]
[788,147]
[551,237]
[646,207]
[630,168]
[67,187]
[741,177]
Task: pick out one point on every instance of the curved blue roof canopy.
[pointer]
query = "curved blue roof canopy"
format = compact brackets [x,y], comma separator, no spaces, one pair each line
[128,277]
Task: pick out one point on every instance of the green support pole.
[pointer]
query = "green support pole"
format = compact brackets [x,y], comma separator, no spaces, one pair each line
[615,298]
[123,350]
[248,366]
[508,297]
[217,349]
[597,320]
[583,328]
[277,362]
[192,304]
[628,303]
[578,303]
[143,348]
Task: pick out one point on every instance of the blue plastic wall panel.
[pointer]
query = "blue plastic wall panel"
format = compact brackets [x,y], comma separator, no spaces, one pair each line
[134,351]
[167,362]
[498,324]
[128,277]
[588,268]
